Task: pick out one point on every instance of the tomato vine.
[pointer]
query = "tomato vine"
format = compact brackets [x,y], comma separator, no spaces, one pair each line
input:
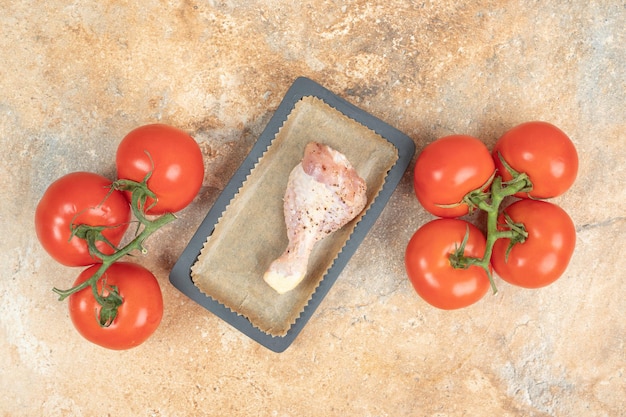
[528,243]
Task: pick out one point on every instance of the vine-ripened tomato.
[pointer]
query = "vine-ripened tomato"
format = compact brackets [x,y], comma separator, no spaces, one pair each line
[174,158]
[447,170]
[79,198]
[542,151]
[137,318]
[427,262]
[543,257]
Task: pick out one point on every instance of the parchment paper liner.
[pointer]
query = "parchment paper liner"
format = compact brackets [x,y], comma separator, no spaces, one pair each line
[251,232]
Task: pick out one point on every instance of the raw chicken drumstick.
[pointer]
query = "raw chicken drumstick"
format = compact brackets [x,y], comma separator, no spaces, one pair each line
[324,192]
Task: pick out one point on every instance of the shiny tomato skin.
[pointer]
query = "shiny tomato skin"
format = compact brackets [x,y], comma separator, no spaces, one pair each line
[449,168]
[138,317]
[544,256]
[429,270]
[177,160]
[79,198]
[544,152]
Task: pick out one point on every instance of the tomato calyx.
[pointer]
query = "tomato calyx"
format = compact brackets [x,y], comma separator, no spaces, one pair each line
[475,199]
[457,258]
[109,302]
[517,177]
[139,191]
[91,235]
[516,234]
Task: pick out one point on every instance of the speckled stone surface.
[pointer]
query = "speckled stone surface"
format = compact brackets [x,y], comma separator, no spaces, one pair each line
[77,76]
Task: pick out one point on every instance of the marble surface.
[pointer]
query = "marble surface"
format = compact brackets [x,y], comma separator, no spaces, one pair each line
[77,76]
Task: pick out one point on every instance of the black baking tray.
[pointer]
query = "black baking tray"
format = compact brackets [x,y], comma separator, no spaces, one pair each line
[180,275]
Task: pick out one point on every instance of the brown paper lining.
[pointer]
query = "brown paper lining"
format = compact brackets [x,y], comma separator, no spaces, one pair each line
[251,232]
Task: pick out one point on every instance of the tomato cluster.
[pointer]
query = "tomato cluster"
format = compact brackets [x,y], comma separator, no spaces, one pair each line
[83,217]
[529,243]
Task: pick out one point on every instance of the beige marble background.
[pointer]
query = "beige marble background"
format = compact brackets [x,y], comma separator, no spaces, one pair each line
[76,76]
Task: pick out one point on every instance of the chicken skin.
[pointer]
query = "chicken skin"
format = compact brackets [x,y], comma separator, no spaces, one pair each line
[324,192]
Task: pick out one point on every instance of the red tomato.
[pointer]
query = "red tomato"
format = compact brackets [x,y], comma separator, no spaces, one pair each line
[543,257]
[542,151]
[447,170]
[79,198]
[137,318]
[428,265]
[174,158]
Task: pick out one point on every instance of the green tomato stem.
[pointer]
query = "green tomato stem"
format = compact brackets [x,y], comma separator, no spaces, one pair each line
[92,234]
[499,191]
[149,227]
